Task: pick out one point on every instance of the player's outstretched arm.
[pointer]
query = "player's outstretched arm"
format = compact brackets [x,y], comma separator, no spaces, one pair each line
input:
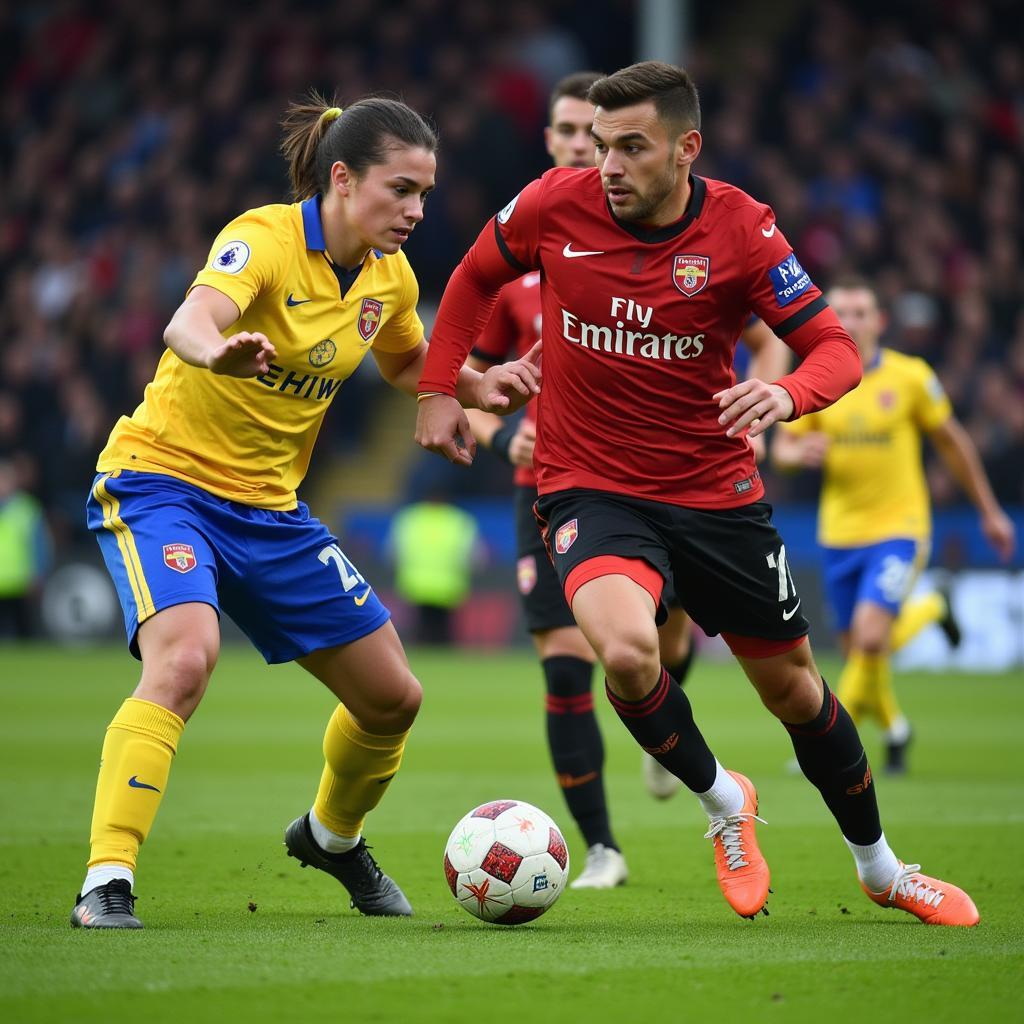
[798,451]
[195,336]
[959,453]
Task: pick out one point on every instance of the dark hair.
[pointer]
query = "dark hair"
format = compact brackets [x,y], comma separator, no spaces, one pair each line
[672,89]
[576,85]
[851,282]
[360,136]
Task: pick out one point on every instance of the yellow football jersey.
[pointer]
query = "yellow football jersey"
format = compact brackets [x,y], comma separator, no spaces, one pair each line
[250,440]
[874,485]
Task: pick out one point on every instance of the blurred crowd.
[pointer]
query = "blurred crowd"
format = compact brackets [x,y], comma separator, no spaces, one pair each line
[889,138]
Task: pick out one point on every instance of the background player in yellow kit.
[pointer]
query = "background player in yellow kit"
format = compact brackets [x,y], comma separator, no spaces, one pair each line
[195,507]
[874,519]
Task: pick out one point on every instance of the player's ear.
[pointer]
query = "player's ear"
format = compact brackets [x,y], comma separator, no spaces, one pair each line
[341,177]
[548,132]
[688,147]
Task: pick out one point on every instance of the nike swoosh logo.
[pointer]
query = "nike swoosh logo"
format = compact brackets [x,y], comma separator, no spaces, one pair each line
[135,784]
[292,301]
[786,616]
[362,599]
[570,253]
[769,232]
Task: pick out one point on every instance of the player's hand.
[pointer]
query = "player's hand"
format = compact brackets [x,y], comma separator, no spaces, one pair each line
[754,404]
[508,387]
[759,447]
[443,427]
[520,449]
[1000,533]
[813,448]
[242,355]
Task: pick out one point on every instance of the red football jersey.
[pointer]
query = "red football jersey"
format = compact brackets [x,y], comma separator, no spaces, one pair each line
[513,329]
[639,328]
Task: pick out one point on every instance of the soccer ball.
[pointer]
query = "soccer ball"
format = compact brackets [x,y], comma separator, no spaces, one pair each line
[506,862]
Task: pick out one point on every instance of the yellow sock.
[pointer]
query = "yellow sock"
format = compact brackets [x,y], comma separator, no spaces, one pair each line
[358,770]
[880,671]
[914,616]
[855,689]
[136,761]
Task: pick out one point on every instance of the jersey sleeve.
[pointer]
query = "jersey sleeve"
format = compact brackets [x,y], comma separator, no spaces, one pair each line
[403,330]
[782,294]
[498,337]
[517,228]
[248,257]
[931,405]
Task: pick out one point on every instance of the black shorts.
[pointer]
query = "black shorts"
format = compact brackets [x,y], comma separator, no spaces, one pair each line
[540,590]
[728,566]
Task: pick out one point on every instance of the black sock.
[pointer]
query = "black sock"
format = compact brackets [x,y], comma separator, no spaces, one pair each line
[577,750]
[681,669]
[662,723]
[832,757]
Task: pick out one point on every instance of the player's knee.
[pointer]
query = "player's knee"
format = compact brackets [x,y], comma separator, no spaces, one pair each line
[794,696]
[872,640]
[178,679]
[395,712]
[632,665]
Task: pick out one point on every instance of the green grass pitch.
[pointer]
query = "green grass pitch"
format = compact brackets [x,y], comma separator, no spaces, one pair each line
[236,931]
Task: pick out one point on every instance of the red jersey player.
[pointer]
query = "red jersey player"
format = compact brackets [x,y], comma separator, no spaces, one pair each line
[644,472]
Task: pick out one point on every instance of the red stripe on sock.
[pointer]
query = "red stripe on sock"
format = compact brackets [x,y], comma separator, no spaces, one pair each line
[577,705]
[833,712]
[646,706]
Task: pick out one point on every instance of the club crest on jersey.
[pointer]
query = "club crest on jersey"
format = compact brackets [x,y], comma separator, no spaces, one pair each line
[369,318]
[690,273]
[230,258]
[322,352]
[887,399]
[179,557]
[565,536]
[526,574]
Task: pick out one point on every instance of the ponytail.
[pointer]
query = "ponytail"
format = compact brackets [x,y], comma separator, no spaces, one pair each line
[318,134]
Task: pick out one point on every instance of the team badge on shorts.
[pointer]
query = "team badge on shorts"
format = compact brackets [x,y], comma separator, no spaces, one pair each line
[526,574]
[369,318]
[179,557]
[690,273]
[565,536]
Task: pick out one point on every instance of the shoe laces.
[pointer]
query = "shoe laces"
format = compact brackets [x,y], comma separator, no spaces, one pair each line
[729,830]
[362,854]
[913,886]
[116,897]
[597,858]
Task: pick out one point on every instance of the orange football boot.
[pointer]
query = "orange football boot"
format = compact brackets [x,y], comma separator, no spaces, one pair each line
[928,899]
[743,875]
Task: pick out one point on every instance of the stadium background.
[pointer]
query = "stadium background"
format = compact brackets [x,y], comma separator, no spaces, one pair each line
[888,137]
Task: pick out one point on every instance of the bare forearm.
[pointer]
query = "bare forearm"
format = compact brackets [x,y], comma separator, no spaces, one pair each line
[960,455]
[192,335]
[485,425]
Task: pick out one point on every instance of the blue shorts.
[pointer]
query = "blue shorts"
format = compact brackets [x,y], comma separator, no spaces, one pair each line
[882,573]
[281,576]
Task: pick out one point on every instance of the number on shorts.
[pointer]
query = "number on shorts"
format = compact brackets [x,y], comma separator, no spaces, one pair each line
[781,566]
[350,575]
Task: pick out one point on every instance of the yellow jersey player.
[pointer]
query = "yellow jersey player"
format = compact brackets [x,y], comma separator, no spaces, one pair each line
[874,519]
[195,509]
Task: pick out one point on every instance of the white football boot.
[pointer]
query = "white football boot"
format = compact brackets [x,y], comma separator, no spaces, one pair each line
[660,782]
[605,868]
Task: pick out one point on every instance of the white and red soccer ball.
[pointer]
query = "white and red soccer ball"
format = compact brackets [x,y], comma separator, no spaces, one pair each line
[506,862]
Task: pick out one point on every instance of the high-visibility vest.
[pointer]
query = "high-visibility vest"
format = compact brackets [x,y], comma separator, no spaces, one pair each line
[433,547]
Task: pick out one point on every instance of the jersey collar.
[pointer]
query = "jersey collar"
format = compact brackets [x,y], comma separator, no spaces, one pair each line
[311,225]
[698,190]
